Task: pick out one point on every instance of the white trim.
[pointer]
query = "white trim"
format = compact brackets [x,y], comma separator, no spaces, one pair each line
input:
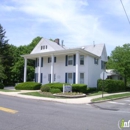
[39,70]
[59,52]
[77,67]
[25,69]
[52,68]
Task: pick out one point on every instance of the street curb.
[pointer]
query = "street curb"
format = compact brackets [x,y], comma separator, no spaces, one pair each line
[44,99]
[108,100]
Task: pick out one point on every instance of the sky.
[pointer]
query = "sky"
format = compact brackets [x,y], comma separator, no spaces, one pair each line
[76,22]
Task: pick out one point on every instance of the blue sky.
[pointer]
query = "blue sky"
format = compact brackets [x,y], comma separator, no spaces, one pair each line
[77,22]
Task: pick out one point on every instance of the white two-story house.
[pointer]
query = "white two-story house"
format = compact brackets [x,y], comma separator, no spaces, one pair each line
[56,63]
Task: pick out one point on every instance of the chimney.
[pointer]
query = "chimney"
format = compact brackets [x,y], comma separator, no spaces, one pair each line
[62,43]
[57,41]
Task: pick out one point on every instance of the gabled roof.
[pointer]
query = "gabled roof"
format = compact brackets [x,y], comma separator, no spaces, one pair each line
[96,49]
[44,41]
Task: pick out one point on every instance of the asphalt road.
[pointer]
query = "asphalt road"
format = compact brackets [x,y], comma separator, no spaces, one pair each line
[42,115]
[122,105]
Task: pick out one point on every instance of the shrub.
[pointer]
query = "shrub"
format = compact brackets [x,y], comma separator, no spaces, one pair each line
[55,85]
[45,88]
[1,86]
[28,86]
[55,90]
[90,90]
[79,88]
[75,87]
[111,85]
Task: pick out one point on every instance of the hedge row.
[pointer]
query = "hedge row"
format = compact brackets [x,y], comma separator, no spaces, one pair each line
[75,87]
[1,86]
[111,85]
[28,86]
[91,90]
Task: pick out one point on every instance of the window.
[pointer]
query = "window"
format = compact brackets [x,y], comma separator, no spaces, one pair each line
[82,78]
[102,65]
[49,59]
[95,61]
[43,47]
[70,78]
[70,60]
[81,59]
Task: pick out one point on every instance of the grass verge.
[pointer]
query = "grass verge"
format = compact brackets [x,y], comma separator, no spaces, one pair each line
[111,97]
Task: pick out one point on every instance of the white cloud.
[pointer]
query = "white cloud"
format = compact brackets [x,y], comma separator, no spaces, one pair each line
[72,18]
[7,8]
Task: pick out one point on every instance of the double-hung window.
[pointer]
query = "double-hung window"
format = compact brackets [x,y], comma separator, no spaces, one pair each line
[70,78]
[49,59]
[70,60]
[82,78]
[81,59]
[102,65]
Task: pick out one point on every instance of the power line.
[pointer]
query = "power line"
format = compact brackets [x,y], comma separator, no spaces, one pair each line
[125,11]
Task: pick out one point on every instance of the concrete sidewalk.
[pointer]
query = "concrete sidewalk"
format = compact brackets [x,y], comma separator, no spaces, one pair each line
[83,100]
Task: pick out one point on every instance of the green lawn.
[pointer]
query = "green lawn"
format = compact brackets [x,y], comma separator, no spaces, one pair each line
[111,97]
[45,94]
[6,90]
[96,93]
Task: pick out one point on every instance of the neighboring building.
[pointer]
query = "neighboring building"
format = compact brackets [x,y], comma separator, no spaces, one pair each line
[56,63]
[112,74]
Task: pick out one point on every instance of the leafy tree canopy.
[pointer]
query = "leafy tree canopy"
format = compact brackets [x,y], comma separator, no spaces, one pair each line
[120,61]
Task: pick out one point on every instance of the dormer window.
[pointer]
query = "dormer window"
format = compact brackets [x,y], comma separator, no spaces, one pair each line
[44,47]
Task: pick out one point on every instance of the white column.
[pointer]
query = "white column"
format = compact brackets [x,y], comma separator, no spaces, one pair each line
[25,69]
[77,67]
[39,70]
[52,68]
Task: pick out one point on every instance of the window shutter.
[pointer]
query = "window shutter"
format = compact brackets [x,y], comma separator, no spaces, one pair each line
[54,59]
[66,60]
[35,77]
[42,62]
[41,77]
[74,60]
[65,77]
[73,78]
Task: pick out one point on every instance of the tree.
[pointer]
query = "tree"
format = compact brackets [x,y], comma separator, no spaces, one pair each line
[4,54]
[18,67]
[120,61]
[2,75]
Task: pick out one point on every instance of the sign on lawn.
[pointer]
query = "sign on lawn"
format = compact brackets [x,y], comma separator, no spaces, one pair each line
[67,88]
